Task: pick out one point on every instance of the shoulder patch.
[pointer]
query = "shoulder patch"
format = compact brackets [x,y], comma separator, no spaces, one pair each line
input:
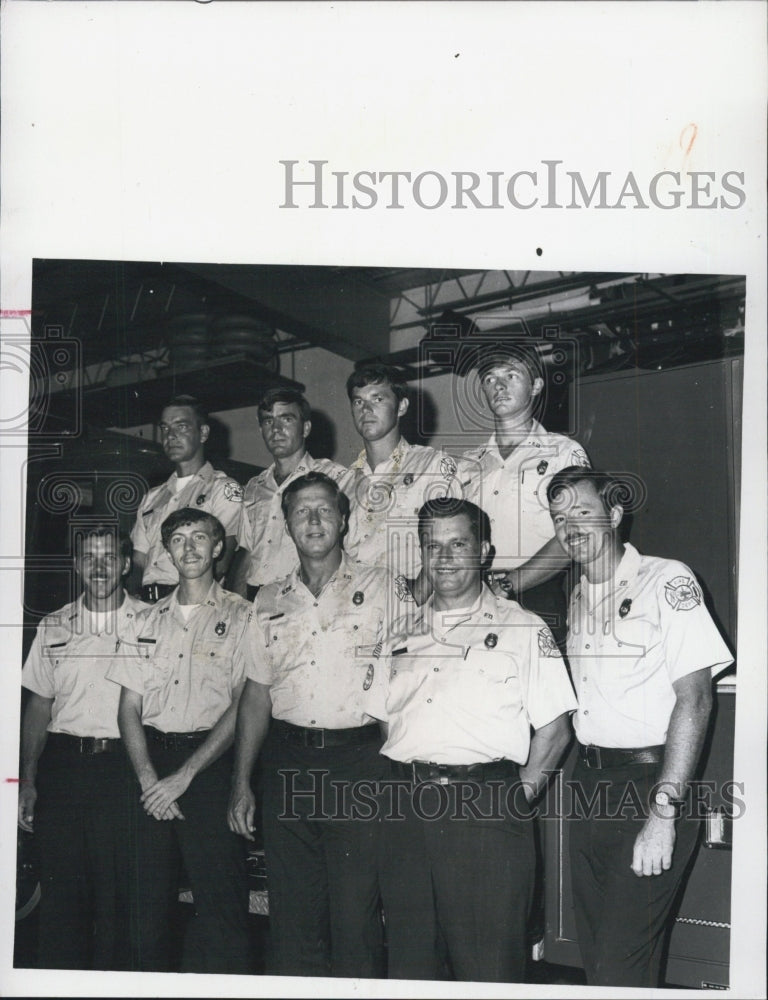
[547,644]
[233,491]
[448,466]
[682,593]
[579,457]
[402,589]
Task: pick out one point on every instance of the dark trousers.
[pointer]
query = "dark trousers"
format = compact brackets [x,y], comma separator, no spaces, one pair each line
[319,847]
[217,939]
[621,918]
[81,829]
[456,883]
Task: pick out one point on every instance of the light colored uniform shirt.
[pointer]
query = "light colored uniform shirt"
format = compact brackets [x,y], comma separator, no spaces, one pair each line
[210,490]
[513,491]
[648,629]
[316,654]
[465,686]
[69,661]
[385,503]
[261,527]
[187,671]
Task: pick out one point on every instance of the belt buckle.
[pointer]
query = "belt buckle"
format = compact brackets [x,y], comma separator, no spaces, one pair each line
[440,771]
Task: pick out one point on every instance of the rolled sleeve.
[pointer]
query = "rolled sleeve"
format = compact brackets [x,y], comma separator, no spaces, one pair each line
[37,674]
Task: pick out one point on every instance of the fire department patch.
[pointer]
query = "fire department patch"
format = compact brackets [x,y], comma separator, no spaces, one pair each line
[579,457]
[220,628]
[402,589]
[358,597]
[368,678]
[542,467]
[233,491]
[200,500]
[624,607]
[447,467]
[682,593]
[547,644]
[490,640]
[408,479]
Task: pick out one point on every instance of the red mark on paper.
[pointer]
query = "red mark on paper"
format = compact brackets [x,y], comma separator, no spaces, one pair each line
[10,313]
[12,781]
[688,137]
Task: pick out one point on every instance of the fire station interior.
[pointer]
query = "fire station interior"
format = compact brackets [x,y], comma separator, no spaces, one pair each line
[643,369]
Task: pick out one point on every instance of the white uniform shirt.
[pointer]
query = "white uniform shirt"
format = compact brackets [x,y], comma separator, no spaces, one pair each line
[69,661]
[317,653]
[210,490]
[262,527]
[187,670]
[650,628]
[465,686]
[513,491]
[385,503]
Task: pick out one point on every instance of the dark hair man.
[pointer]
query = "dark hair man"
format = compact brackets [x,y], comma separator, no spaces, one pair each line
[464,687]
[315,633]
[74,784]
[177,718]
[390,479]
[266,549]
[184,429]
[642,649]
[515,466]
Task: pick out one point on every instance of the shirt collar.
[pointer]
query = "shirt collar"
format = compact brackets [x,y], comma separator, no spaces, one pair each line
[395,459]
[306,464]
[625,573]
[205,472]
[451,619]
[533,439]
[212,599]
[343,574]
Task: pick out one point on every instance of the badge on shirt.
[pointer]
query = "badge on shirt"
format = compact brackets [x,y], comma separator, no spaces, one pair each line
[200,500]
[541,468]
[625,606]
[220,628]
[368,678]
[490,640]
[402,589]
[358,597]
[682,594]
[233,491]
[408,479]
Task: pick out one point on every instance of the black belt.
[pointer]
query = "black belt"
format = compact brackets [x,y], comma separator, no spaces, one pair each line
[86,745]
[321,738]
[177,741]
[419,770]
[152,592]
[602,757]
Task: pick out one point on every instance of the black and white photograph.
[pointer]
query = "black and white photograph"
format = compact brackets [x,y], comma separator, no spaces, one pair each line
[383,518]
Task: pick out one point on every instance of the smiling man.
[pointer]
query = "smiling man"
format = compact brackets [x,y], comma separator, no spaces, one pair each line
[390,479]
[177,719]
[266,551]
[74,781]
[316,633]
[184,429]
[476,698]
[643,649]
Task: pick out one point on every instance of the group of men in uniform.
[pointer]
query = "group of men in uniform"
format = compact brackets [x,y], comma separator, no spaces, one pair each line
[384,650]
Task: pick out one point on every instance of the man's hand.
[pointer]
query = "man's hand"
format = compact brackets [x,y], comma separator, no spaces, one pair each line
[159,799]
[27,800]
[242,804]
[654,846]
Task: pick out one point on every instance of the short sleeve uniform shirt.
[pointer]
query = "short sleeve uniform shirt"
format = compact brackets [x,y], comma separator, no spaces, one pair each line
[209,489]
[385,503]
[188,670]
[316,654]
[465,686]
[513,491]
[630,641]
[69,660]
